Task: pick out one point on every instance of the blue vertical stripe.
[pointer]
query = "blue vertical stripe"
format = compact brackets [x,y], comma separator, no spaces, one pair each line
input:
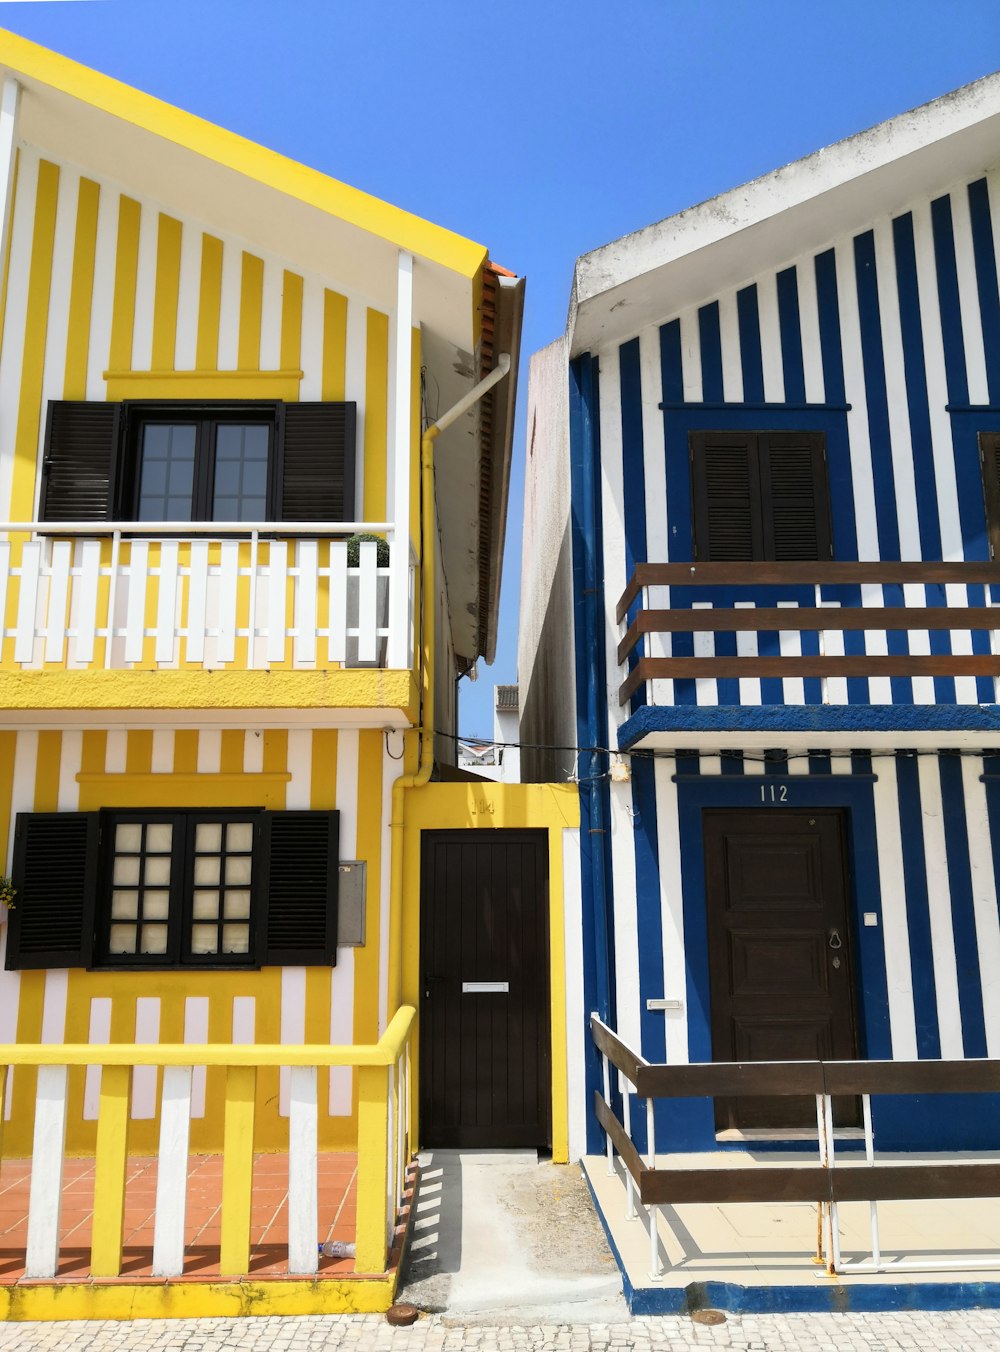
[748,318]
[710,341]
[873,360]
[918,915]
[790,326]
[948,302]
[831,348]
[679,541]
[986,281]
[963,919]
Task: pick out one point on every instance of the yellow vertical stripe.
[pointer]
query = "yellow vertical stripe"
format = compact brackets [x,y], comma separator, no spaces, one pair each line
[231,758]
[373,1125]
[319,984]
[22,497]
[185,752]
[334,346]
[251,306]
[323,786]
[275,752]
[237,1171]
[81,292]
[6,257]
[110,1163]
[369,846]
[8,748]
[291,322]
[415,431]
[376,414]
[47,772]
[139,752]
[93,756]
[126,271]
[168,284]
[209,304]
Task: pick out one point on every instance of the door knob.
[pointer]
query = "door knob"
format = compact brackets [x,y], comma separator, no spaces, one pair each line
[835,940]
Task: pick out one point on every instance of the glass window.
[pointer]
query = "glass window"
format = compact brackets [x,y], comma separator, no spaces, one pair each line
[241,472]
[209,467]
[166,471]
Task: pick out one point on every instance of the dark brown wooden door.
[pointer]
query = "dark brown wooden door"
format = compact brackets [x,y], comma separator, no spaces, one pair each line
[779,951]
[485,1056]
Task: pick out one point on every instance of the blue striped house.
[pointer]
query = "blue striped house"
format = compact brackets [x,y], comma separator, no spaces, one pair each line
[787,398]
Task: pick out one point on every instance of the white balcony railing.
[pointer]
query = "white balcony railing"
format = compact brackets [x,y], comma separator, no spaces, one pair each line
[241,596]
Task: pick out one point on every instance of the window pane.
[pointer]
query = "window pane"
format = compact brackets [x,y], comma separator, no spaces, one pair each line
[155,905]
[126,871]
[128,837]
[166,471]
[159,837]
[240,490]
[122,939]
[204,939]
[154,938]
[157,871]
[206,869]
[124,905]
[236,938]
[208,837]
[239,836]
[238,870]
[238,904]
[205,906]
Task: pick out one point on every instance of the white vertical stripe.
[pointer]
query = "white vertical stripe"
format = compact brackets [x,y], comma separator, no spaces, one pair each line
[303,1211]
[342,977]
[706,688]
[23,787]
[968,298]
[70,759]
[668,848]
[790,645]
[17,307]
[102,305]
[895,388]
[145,289]
[857,418]
[960,641]
[949,1009]
[209,751]
[172,1172]
[162,760]
[893,920]
[98,1034]
[876,644]
[116,749]
[47,1154]
[812,352]
[312,340]
[54,373]
[984,897]
[729,336]
[10,995]
[293,1024]
[746,646]
[188,295]
[354,383]
[144,1078]
[655,478]
[270,316]
[937,387]
[691,356]
[770,340]
[297,794]
[253,753]
[244,1020]
[576,1014]
[229,313]
[196,1031]
[54,1006]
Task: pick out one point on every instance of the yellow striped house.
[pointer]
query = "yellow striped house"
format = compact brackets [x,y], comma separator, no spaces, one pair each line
[247,908]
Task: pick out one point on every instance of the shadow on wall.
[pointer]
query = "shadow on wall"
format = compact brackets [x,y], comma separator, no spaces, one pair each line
[548,702]
[435,1252]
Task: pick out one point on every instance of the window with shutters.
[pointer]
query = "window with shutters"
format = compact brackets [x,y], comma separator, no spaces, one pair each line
[989,454]
[155,889]
[198,461]
[760,495]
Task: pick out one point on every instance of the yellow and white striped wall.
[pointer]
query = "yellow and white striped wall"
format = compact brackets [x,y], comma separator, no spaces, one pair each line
[351,770]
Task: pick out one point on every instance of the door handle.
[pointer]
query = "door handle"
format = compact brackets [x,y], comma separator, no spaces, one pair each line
[428,982]
[835,940]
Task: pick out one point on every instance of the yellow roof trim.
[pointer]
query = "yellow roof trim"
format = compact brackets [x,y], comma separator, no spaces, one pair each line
[393,224]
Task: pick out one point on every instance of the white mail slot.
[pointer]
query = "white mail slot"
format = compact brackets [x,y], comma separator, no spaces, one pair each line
[485,987]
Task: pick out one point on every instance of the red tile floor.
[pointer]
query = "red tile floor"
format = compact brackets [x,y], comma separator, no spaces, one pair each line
[268,1223]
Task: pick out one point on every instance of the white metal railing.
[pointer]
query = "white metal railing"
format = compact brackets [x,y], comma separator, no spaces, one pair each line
[165,594]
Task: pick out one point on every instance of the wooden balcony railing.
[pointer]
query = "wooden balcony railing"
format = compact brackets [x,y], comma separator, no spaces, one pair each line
[827,1182]
[164,595]
[825,617]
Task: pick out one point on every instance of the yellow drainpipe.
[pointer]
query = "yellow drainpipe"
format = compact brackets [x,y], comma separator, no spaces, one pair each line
[426,730]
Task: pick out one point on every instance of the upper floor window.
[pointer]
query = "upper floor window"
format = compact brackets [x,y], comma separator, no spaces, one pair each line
[209,461]
[760,495]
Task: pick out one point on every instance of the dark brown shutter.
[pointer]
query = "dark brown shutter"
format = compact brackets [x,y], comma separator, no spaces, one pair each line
[55,876]
[80,461]
[989,454]
[316,465]
[795,499]
[726,496]
[299,880]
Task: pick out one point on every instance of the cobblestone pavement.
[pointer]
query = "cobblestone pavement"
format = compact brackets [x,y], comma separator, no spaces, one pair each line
[962,1331]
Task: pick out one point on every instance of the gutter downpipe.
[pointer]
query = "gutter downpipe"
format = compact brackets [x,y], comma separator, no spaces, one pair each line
[423,773]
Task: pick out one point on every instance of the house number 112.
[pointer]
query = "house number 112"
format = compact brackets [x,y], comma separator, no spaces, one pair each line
[774,793]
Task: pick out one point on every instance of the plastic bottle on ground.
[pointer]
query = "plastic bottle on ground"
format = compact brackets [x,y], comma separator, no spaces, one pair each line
[337,1248]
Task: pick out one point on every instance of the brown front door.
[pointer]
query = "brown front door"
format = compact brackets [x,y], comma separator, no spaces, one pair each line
[779,951]
[485,1057]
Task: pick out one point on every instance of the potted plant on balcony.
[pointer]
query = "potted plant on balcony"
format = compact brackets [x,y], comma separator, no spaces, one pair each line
[354,544]
[7,892]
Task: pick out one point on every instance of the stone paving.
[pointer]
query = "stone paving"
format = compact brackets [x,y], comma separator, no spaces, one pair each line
[961,1331]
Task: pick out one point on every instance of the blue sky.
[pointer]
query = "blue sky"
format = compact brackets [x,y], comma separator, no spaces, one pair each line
[542,128]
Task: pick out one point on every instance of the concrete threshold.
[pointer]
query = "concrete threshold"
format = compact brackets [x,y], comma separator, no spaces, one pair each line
[756,1257]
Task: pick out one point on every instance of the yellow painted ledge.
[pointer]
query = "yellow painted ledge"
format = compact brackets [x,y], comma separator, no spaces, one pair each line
[339,688]
[179,1299]
[203,385]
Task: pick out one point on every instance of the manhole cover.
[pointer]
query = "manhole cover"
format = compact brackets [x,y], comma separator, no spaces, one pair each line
[707,1317]
[401,1315]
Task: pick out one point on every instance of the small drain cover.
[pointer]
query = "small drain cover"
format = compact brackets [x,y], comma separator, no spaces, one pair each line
[401,1315]
[707,1317]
